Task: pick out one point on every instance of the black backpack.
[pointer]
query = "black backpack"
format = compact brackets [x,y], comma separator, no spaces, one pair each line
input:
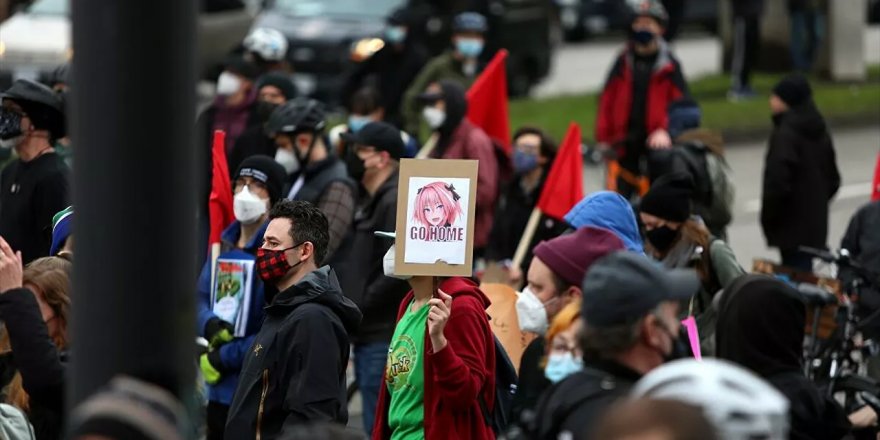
[505,388]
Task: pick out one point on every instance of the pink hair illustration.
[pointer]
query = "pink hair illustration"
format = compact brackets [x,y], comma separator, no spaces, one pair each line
[437,204]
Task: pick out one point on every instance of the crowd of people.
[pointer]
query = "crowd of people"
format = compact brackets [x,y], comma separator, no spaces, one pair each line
[605,288]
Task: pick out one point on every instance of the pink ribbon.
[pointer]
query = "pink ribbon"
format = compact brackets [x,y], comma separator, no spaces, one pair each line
[693,336]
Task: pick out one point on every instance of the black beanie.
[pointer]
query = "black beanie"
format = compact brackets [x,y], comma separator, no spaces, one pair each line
[240,66]
[669,197]
[794,90]
[280,81]
[264,169]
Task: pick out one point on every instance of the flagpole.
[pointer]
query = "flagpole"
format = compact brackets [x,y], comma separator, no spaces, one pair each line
[429,146]
[528,235]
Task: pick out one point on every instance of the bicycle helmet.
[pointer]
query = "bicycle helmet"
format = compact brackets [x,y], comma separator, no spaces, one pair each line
[300,114]
[739,404]
[269,44]
[649,8]
[469,22]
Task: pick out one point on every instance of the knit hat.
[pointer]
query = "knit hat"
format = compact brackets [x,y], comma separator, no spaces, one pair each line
[669,197]
[280,81]
[569,256]
[684,114]
[62,227]
[794,90]
[240,66]
[265,170]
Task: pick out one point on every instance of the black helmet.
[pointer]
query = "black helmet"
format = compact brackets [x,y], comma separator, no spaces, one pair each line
[301,114]
[61,75]
[649,8]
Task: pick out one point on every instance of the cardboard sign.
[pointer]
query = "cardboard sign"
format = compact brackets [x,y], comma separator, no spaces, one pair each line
[436,201]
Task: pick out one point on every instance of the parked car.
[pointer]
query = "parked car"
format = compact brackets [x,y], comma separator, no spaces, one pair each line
[582,19]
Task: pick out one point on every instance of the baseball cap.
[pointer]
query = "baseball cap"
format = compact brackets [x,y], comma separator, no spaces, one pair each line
[625,286]
[380,135]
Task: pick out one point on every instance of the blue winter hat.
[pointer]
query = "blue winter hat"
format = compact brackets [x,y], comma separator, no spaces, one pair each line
[608,210]
[684,114]
[62,227]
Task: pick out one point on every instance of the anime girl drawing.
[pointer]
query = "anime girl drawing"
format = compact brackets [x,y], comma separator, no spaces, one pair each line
[437,204]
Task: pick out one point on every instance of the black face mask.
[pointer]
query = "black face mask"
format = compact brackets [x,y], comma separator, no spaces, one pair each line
[679,348]
[642,37]
[10,124]
[662,238]
[265,109]
[355,166]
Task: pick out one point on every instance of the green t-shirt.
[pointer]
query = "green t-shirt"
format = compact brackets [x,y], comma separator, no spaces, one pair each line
[405,376]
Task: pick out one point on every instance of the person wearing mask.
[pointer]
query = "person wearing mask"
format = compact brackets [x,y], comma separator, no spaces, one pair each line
[608,210]
[62,234]
[458,138]
[533,154]
[257,186]
[553,282]
[35,306]
[366,106]
[373,159]
[644,79]
[754,307]
[800,174]
[630,313]
[394,67]
[746,44]
[314,173]
[440,373]
[34,186]
[564,356]
[461,64]
[267,49]
[679,240]
[294,373]
[273,91]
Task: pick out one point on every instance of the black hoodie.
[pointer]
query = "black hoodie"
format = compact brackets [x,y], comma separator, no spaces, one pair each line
[295,371]
[800,178]
[761,327]
[456,110]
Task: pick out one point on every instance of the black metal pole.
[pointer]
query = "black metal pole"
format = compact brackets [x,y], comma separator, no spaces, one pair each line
[134,192]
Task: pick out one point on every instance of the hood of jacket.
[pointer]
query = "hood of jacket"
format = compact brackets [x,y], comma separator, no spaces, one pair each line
[456,106]
[804,119]
[321,287]
[761,325]
[608,210]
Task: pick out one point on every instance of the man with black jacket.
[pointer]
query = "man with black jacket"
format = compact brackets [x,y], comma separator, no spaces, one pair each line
[372,158]
[800,174]
[294,372]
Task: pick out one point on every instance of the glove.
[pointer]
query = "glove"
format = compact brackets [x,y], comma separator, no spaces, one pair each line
[211,375]
[218,332]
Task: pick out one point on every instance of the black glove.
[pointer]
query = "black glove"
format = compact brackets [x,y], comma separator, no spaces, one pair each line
[218,332]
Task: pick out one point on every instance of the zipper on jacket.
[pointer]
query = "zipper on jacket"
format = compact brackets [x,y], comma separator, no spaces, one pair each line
[262,402]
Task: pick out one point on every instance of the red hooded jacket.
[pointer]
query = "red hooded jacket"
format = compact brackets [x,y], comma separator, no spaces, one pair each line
[458,374]
[666,85]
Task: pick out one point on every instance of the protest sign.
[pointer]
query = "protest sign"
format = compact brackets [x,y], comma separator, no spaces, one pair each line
[435,217]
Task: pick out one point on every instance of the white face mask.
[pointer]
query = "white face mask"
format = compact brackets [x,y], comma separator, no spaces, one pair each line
[228,84]
[531,313]
[434,117]
[388,265]
[287,159]
[247,207]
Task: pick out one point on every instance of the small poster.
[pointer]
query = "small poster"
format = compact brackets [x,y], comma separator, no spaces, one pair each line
[436,202]
[231,293]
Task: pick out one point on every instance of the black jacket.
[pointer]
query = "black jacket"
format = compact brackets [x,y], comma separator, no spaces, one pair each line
[360,270]
[576,403]
[532,383]
[747,8]
[800,178]
[37,359]
[295,372]
[863,243]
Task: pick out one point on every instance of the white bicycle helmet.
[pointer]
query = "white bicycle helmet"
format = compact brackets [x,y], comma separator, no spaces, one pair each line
[269,44]
[739,404]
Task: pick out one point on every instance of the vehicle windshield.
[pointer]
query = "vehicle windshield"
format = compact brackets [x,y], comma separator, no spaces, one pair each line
[316,8]
[50,7]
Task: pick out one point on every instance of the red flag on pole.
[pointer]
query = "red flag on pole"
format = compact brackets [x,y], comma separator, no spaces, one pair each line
[564,186]
[875,193]
[487,101]
[220,201]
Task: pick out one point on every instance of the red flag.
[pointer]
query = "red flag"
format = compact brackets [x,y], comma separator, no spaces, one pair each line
[487,101]
[875,194]
[220,201]
[564,186]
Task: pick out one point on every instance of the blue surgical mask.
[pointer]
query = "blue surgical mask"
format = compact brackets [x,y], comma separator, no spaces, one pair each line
[395,34]
[643,37]
[524,162]
[356,123]
[469,47]
[560,366]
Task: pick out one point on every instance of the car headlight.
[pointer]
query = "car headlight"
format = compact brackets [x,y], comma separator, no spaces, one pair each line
[365,48]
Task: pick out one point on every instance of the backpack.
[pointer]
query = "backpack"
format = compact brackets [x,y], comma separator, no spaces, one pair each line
[714,187]
[505,388]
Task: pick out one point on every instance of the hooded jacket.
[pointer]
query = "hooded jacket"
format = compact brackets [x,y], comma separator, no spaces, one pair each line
[459,375]
[761,327]
[460,139]
[443,67]
[800,178]
[230,356]
[295,371]
[608,210]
